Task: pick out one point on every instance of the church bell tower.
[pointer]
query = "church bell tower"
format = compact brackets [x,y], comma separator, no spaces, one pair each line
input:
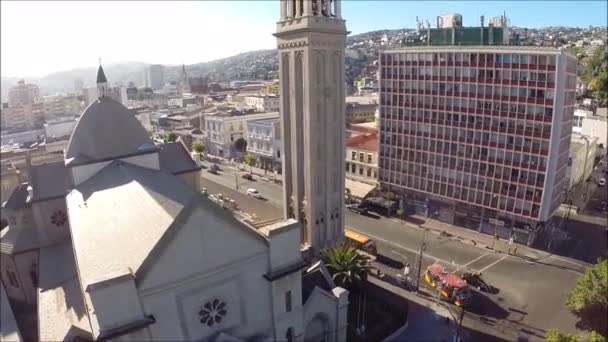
[311,38]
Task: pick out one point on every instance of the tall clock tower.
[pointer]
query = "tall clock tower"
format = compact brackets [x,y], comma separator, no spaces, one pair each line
[311,38]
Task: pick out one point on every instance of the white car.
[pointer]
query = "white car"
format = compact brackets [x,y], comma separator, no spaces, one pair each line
[254,193]
[602,182]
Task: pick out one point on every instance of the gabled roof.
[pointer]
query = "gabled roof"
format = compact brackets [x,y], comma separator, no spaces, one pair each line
[101,76]
[49,180]
[119,215]
[16,240]
[19,198]
[106,130]
[174,158]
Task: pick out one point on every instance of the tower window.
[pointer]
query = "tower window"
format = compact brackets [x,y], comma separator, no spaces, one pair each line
[288,301]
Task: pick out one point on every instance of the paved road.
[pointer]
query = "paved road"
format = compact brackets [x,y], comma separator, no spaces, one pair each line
[531,294]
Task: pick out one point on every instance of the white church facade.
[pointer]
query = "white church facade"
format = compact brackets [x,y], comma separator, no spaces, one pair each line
[125,248]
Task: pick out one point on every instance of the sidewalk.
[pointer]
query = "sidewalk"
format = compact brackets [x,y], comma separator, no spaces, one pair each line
[474,238]
[264,174]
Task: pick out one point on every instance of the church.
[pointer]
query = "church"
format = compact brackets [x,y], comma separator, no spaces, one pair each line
[116,242]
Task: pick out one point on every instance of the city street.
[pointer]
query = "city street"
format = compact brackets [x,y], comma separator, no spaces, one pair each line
[532,292]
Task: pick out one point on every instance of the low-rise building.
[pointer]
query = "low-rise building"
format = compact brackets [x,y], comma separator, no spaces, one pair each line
[580,162]
[224,129]
[264,103]
[597,127]
[361,108]
[579,116]
[362,157]
[264,142]
[59,128]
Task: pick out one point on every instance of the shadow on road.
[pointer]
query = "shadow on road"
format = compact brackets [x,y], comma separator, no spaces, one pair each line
[484,306]
[388,261]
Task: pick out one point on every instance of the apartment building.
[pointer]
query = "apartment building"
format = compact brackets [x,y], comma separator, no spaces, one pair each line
[264,142]
[361,108]
[266,103]
[478,136]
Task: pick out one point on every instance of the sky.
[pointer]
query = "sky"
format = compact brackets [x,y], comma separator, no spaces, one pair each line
[38,38]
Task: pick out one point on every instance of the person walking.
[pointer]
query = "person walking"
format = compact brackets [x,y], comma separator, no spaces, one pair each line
[511,243]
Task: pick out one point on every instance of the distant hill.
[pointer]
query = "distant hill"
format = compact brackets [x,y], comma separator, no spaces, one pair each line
[361,50]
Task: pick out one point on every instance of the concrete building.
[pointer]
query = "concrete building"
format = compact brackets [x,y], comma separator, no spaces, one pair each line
[478,136]
[22,137]
[263,103]
[361,108]
[264,142]
[59,128]
[23,94]
[155,76]
[579,117]
[115,242]
[224,129]
[362,157]
[583,150]
[597,127]
[311,38]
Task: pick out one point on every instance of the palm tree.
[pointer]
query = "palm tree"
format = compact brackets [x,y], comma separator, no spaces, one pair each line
[346,265]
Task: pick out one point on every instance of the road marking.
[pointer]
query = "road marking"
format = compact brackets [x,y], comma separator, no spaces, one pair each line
[426,255]
[472,261]
[492,264]
[568,261]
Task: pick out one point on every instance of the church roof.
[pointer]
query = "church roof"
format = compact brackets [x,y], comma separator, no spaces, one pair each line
[174,158]
[19,198]
[49,180]
[59,288]
[16,240]
[106,130]
[119,215]
[101,76]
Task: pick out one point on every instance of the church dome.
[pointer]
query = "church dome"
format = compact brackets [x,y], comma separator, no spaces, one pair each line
[106,130]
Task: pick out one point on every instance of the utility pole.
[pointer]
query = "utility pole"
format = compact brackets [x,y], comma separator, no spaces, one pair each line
[422,248]
[459,324]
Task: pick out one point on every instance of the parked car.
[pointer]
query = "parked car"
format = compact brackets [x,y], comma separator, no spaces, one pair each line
[212,170]
[248,176]
[254,193]
[603,206]
[602,182]
[475,280]
[358,208]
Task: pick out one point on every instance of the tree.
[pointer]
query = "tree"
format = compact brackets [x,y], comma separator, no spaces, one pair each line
[349,196]
[346,265]
[250,160]
[171,136]
[240,145]
[589,300]
[553,335]
[600,86]
[198,147]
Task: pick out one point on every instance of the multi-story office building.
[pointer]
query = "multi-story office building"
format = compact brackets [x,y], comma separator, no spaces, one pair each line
[264,142]
[478,136]
[23,94]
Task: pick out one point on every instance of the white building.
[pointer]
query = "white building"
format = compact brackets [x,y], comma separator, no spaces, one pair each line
[265,103]
[155,76]
[59,128]
[264,142]
[224,129]
[597,127]
[134,252]
[580,162]
[311,41]
[362,157]
[579,117]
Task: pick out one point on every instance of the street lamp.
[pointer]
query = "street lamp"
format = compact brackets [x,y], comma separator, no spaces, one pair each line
[494,224]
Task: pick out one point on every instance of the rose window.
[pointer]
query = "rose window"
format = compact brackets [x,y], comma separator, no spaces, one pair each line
[213,312]
[59,218]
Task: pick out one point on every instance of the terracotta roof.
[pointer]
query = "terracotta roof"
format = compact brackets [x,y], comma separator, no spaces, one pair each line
[365,142]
